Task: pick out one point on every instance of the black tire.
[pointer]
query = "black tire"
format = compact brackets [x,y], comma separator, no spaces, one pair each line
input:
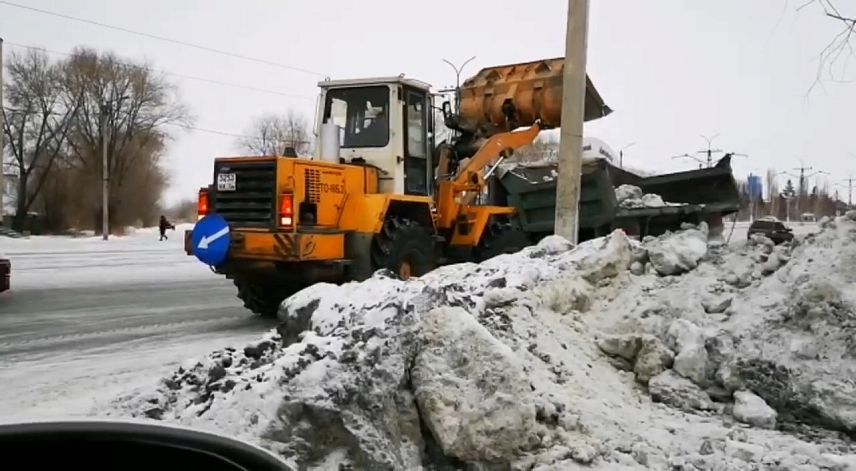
[404,247]
[261,298]
[501,237]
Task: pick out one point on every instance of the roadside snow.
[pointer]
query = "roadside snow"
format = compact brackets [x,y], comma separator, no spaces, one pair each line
[548,359]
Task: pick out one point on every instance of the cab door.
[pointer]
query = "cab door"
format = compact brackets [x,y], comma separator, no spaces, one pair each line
[417,145]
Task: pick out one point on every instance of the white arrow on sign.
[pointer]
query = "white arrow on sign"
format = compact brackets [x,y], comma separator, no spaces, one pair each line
[205,241]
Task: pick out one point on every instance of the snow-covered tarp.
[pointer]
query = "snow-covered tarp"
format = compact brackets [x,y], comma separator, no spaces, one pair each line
[670,354]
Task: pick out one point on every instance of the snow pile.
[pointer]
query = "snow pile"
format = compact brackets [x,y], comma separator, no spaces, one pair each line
[676,253]
[556,357]
[630,197]
[768,332]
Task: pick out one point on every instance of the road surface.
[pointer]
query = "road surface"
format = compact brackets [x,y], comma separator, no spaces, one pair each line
[87,320]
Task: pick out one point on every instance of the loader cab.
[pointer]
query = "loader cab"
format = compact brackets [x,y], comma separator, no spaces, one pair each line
[385,122]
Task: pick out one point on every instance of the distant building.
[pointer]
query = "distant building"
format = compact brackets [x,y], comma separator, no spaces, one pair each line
[755,187]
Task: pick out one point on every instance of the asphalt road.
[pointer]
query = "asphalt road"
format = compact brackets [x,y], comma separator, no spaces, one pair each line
[36,323]
[87,321]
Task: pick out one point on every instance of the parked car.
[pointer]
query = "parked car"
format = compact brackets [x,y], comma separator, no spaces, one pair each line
[773,229]
[5,273]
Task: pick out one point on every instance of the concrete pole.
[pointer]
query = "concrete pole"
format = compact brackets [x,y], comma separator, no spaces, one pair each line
[571,138]
[2,135]
[105,178]
[788,209]
[849,192]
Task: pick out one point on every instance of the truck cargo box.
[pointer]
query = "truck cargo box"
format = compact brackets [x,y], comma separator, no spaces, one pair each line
[705,195]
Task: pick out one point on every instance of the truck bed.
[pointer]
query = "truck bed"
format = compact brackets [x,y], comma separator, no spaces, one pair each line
[705,194]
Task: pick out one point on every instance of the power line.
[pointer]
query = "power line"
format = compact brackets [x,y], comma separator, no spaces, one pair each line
[208,131]
[224,133]
[163,38]
[189,77]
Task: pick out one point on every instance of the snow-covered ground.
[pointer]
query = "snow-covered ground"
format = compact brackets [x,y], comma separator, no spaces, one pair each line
[670,354]
[40,262]
[87,319]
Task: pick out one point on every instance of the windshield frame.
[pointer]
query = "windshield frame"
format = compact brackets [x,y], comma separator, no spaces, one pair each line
[379,97]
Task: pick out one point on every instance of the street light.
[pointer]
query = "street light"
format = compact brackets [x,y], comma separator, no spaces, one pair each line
[709,152]
[458,81]
[688,156]
[621,154]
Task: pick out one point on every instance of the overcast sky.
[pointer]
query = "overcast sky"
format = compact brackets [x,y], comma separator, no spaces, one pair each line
[671,69]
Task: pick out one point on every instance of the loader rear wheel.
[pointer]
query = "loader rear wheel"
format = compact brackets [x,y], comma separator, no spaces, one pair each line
[501,238]
[404,247]
[262,299]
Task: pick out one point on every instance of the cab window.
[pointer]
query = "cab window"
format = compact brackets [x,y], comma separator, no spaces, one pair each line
[362,113]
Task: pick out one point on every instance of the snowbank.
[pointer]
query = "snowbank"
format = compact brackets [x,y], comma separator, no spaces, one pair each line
[556,357]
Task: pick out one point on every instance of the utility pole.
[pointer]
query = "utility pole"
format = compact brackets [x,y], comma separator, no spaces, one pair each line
[2,142]
[571,137]
[105,177]
[802,168]
[802,185]
[849,181]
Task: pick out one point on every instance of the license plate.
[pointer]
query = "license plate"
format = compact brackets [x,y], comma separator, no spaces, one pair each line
[225,182]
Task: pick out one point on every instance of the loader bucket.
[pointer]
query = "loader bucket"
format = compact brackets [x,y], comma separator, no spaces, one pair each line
[505,97]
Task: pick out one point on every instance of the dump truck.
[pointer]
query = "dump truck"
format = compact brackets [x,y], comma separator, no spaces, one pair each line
[380,193]
[694,196]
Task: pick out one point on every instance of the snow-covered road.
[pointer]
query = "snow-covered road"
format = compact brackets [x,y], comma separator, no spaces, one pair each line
[87,318]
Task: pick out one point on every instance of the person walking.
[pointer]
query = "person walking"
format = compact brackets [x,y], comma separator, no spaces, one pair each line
[163,226]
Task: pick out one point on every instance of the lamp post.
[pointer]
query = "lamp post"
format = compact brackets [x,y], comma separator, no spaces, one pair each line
[458,71]
[621,154]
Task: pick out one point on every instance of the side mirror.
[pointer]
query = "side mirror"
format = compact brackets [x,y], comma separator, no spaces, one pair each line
[128,445]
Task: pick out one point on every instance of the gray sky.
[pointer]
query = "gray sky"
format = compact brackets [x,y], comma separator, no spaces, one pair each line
[671,69]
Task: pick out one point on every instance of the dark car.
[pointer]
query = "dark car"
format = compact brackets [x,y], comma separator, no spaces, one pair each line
[772,229]
[5,272]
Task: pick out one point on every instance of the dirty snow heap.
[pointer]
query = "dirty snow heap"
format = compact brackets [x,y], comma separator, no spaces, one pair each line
[557,357]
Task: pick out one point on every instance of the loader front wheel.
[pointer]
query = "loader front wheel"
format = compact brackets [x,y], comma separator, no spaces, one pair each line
[404,247]
[262,299]
[501,238]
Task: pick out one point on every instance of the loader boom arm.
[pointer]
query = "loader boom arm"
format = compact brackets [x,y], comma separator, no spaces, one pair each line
[450,197]
[495,146]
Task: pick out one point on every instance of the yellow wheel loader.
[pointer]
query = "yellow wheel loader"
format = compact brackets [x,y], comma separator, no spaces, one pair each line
[379,193]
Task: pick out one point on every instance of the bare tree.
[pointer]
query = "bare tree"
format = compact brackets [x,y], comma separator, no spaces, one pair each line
[36,124]
[273,134]
[841,45]
[131,105]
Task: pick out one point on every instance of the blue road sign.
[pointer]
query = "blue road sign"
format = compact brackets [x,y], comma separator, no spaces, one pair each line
[210,239]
